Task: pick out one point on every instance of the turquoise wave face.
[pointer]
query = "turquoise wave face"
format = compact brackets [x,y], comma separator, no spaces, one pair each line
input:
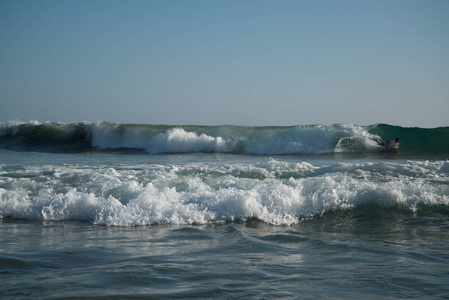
[416,140]
[161,139]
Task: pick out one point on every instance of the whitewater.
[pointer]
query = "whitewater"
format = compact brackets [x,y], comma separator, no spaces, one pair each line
[98,209]
[278,192]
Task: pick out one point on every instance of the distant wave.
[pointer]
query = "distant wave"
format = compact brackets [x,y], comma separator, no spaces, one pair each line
[162,139]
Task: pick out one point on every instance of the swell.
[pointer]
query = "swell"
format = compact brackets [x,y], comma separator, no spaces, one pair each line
[160,139]
[45,137]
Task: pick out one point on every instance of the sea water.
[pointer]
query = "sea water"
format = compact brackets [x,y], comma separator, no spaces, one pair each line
[101,210]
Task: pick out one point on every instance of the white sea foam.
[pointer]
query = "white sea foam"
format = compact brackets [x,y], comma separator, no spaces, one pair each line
[177,140]
[275,192]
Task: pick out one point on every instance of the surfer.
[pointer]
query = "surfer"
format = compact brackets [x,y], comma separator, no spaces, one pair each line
[391,144]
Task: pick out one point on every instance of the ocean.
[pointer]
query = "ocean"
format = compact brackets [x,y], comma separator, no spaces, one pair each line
[122,211]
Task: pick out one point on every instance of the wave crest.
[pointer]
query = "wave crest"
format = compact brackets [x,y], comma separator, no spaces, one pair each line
[177,140]
[159,139]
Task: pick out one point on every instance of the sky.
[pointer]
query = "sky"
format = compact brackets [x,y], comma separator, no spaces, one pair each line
[225,62]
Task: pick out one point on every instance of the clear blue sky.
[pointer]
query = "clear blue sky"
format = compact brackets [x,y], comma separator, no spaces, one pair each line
[212,62]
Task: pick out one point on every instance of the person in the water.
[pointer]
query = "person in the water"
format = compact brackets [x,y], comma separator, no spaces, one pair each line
[393,144]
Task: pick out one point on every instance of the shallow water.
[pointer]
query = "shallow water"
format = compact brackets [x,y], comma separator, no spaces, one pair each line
[338,255]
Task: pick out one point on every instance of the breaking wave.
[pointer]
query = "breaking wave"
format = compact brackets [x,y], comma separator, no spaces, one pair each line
[162,139]
[274,192]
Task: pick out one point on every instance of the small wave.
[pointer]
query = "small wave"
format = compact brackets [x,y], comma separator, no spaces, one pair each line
[275,192]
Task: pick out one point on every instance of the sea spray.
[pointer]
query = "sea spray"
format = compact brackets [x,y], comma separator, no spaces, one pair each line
[275,192]
[177,140]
